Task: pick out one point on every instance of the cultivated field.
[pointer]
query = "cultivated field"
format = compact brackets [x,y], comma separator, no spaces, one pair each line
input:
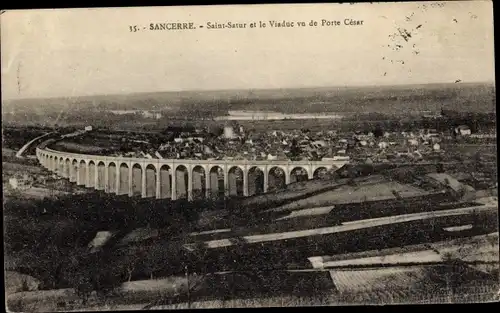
[73,147]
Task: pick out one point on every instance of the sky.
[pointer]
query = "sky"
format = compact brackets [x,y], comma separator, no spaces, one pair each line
[75,52]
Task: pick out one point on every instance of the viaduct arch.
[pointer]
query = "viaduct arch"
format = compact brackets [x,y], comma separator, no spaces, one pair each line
[177,178]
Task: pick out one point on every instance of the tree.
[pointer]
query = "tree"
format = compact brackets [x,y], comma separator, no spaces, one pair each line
[477,161]
[378,131]
[440,168]
[295,150]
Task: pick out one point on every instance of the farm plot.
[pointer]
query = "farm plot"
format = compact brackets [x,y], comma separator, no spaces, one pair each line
[354,194]
[393,278]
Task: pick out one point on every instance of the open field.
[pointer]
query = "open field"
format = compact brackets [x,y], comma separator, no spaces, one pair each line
[236,286]
[346,226]
[181,108]
[487,243]
[41,193]
[324,288]
[408,98]
[381,191]
[9,168]
[73,147]
[83,226]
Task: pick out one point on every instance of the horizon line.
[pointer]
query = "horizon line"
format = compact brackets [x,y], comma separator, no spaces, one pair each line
[492,82]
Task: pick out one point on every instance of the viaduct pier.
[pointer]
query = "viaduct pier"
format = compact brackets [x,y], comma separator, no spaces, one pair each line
[177,178]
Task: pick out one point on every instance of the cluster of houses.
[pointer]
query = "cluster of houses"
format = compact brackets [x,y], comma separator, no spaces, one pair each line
[297,145]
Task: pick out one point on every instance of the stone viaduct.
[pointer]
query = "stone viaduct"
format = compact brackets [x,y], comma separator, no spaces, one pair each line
[177,178]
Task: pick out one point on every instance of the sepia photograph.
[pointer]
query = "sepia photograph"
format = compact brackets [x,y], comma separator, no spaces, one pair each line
[235,156]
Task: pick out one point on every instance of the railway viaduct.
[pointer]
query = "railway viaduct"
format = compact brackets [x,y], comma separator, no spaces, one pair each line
[177,178]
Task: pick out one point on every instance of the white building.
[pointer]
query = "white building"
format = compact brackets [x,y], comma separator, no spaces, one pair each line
[413,142]
[229,132]
[99,240]
[272,157]
[337,158]
[463,130]
[13,182]
[382,145]
[152,114]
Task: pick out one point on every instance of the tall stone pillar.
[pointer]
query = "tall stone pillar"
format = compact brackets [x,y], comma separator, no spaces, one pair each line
[87,175]
[79,175]
[83,173]
[143,182]
[67,170]
[73,171]
[118,178]
[245,182]
[96,177]
[130,181]
[190,183]
[226,181]
[208,187]
[174,183]
[287,175]
[158,183]
[266,179]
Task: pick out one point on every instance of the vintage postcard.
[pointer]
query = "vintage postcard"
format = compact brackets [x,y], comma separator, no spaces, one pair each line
[249,156]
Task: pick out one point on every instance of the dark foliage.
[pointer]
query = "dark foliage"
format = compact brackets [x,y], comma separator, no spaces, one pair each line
[378,131]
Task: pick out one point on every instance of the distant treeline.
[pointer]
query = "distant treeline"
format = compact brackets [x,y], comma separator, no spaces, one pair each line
[206,104]
[16,137]
[448,120]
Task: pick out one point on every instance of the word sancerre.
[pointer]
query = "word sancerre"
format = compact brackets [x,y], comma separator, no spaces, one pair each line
[171,26]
